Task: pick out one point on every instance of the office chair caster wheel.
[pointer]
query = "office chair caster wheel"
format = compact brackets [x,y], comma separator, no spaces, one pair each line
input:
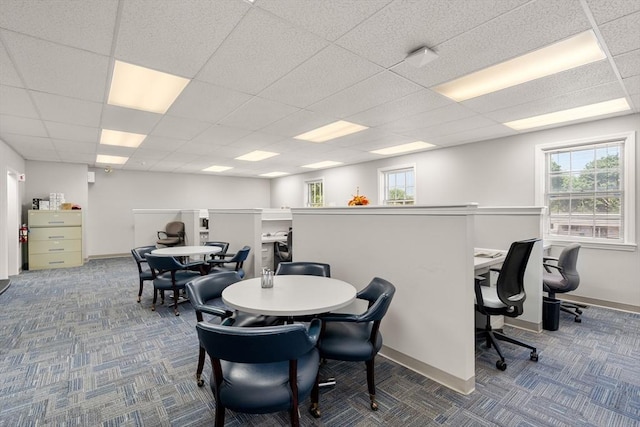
[533,356]
[314,410]
[578,320]
[578,311]
[200,382]
[502,365]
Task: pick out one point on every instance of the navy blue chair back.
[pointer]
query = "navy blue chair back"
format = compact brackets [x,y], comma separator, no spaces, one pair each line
[304,268]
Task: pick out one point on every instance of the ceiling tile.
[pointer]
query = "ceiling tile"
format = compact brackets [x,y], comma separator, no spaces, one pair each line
[76,157]
[632,84]
[16,102]
[605,11]
[147,154]
[22,125]
[159,143]
[481,134]
[74,147]
[622,35]
[175,37]
[30,143]
[628,64]
[326,73]
[85,25]
[8,74]
[73,132]
[429,118]
[257,113]
[220,135]
[56,108]
[403,26]
[52,68]
[431,133]
[376,90]
[297,123]
[129,120]
[328,19]
[206,102]
[179,128]
[417,102]
[258,52]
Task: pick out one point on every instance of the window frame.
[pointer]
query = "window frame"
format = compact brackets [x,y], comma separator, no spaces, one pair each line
[627,239]
[382,174]
[307,183]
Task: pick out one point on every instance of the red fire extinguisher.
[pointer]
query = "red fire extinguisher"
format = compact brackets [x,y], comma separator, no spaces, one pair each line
[23,233]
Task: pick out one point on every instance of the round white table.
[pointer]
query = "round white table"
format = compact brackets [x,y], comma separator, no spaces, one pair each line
[184,251]
[290,296]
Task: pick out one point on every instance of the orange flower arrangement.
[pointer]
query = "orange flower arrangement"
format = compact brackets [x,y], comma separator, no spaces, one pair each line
[358,200]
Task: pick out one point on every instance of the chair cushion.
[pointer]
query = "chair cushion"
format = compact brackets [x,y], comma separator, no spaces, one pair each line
[264,388]
[219,268]
[553,282]
[348,341]
[163,281]
[491,299]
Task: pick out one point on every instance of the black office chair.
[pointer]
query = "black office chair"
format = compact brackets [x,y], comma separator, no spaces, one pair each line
[356,337]
[234,263]
[261,370]
[506,298]
[560,276]
[304,268]
[169,275]
[284,252]
[144,272]
[173,234]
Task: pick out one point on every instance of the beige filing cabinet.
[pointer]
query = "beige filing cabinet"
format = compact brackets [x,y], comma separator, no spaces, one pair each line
[55,239]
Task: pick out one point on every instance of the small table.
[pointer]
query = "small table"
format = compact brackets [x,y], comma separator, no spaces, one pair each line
[291,295]
[183,251]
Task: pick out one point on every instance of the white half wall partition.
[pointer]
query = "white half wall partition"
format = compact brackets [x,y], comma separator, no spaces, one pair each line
[427,253]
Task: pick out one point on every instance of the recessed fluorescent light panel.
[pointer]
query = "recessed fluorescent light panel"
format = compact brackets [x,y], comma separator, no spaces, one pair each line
[331,131]
[144,89]
[570,53]
[325,164]
[111,160]
[121,139]
[256,156]
[584,112]
[404,148]
[273,174]
[215,168]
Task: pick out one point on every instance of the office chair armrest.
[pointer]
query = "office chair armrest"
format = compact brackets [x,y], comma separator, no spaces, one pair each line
[216,262]
[549,258]
[547,267]
[495,269]
[314,330]
[162,235]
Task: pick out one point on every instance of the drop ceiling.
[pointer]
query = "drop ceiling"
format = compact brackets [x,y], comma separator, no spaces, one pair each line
[263,72]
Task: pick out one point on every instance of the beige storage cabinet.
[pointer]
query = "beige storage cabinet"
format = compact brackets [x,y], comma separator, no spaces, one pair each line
[55,239]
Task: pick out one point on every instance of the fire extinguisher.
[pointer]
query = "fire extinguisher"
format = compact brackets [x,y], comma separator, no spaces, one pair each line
[23,233]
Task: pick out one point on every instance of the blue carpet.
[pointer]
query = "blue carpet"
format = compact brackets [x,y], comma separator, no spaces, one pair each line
[77,350]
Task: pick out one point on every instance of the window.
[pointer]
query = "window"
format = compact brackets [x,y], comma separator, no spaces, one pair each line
[587,189]
[315,193]
[398,186]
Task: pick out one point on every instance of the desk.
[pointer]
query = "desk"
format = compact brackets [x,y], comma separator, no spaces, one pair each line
[290,296]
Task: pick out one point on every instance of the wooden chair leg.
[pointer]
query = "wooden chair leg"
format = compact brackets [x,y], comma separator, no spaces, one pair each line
[140,291]
[155,298]
[219,415]
[176,293]
[314,409]
[201,356]
[371,384]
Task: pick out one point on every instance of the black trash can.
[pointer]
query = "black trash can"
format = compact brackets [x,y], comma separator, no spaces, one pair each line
[550,313]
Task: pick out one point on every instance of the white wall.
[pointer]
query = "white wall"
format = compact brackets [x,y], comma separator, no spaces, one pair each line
[493,173]
[10,162]
[113,197]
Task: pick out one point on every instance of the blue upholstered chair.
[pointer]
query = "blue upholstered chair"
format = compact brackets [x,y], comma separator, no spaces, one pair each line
[233,264]
[144,272]
[261,370]
[224,246]
[168,275]
[304,268]
[356,337]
